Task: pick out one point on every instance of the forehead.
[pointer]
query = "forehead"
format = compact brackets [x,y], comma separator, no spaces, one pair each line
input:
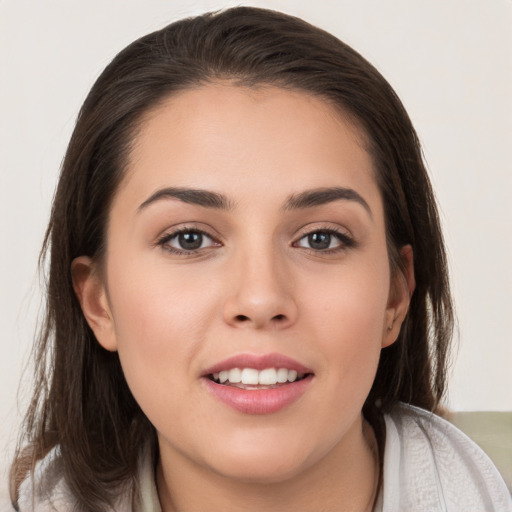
[222,135]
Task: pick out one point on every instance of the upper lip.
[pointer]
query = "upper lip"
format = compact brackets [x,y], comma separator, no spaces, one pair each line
[258,362]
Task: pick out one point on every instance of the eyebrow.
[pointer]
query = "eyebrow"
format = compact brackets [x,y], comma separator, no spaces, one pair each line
[321,196]
[306,199]
[198,197]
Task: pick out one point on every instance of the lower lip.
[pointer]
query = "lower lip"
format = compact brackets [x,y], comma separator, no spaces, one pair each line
[259,401]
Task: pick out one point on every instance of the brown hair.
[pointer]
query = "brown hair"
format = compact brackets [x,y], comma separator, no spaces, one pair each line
[81,401]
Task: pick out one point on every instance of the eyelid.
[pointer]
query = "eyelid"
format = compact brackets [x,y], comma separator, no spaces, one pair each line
[346,239]
[163,240]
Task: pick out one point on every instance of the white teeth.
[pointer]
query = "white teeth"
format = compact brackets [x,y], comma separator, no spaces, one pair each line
[268,377]
[250,376]
[235,375]
[282,375]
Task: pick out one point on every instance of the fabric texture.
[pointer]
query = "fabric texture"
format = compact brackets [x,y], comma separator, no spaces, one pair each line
[429,466]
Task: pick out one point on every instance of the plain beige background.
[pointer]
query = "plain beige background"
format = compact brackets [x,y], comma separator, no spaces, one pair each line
[449,60]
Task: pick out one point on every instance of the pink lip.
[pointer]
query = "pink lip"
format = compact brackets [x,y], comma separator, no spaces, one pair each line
[258,362]
[258,401]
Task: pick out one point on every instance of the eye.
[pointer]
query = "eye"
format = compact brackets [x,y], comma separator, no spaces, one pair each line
[187,240]
[325,240]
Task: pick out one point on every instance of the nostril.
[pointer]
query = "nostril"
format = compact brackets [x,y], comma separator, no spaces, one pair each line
[279,319]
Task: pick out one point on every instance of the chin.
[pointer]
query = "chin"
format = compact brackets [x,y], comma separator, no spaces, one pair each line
[264,463]
[263,472]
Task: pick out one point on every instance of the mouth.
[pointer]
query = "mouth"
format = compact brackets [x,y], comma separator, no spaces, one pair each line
[258,384]
[253,379]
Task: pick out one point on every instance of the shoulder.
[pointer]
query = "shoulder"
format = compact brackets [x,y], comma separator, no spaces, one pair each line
[46,489]
[429,465]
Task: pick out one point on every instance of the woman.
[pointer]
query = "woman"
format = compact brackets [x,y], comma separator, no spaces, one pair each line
[247,285]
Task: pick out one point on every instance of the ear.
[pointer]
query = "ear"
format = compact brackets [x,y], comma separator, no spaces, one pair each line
[92,295]
[402,287]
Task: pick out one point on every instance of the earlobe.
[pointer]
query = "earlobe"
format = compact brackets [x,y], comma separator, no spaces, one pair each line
[91,293]
[401,290]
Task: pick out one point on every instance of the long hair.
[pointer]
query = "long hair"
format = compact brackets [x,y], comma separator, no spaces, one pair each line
[81,401]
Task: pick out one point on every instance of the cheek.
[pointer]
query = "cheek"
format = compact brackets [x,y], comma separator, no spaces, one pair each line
[160,323]
[152,305]
[348,317]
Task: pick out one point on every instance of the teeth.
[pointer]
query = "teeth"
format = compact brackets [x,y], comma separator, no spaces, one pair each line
[268,377]
[250,376]
[282,375]
[235,375]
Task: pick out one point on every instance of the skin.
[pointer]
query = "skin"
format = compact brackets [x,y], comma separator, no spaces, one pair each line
[256,286]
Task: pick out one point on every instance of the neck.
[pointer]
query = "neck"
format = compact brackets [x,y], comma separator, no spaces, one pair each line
[345,479]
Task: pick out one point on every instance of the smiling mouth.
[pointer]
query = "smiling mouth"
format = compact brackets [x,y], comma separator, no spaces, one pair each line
[252,379]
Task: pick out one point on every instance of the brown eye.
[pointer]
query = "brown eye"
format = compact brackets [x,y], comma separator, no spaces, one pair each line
[187,241]
[325,240]
[190,241]
[319,240]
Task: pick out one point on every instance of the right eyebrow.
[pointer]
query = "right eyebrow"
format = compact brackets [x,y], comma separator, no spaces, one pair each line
[200,197]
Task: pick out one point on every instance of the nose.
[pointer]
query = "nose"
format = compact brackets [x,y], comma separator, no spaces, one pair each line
[261,295]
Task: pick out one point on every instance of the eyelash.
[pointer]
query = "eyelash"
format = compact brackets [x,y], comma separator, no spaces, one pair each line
[345,241]
[166,239]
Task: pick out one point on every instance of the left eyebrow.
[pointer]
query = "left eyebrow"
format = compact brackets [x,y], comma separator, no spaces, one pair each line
[204,198]
[321,196]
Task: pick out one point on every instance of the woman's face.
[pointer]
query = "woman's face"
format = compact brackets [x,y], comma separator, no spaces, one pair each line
[247,235]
